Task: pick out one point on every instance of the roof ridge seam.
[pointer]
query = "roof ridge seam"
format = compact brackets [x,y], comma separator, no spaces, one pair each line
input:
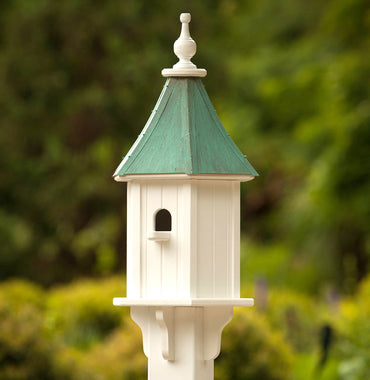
[191,171]
[194,127]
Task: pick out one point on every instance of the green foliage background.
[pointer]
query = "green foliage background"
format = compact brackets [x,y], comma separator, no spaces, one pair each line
[290,81]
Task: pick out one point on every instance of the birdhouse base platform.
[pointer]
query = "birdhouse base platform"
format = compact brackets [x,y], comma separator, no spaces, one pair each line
[243,302]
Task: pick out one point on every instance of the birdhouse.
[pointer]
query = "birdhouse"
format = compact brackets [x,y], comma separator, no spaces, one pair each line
[183,177]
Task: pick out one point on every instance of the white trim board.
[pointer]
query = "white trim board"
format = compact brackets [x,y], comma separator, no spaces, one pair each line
[122,301]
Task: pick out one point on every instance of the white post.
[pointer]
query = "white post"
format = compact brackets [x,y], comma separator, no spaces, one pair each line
[181,342]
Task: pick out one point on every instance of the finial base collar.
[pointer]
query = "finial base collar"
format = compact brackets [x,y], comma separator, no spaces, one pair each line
[184,72]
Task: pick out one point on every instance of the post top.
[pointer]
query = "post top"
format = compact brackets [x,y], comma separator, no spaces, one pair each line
[184,48]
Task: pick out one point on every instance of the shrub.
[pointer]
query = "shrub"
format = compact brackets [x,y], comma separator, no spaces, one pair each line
[353,326]
[25,351]
[298,317]
[119,356]
[82,313]
[252,351]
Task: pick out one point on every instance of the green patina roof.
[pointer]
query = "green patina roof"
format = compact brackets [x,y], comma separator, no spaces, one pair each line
[184,135]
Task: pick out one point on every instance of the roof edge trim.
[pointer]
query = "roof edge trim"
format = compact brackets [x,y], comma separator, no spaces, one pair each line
[191,177]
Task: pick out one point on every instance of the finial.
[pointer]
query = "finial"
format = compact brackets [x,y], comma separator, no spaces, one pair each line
[185,48]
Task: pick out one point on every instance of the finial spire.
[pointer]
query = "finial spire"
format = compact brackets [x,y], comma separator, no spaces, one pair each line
[185,48]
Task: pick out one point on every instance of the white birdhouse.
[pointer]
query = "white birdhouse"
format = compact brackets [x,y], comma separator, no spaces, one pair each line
[183,177]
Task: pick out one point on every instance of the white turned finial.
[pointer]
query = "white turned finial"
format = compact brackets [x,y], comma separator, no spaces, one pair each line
[185,48]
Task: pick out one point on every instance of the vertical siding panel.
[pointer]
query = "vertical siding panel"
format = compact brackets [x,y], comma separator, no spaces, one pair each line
[236,239]
[154,260]
[186,242]
[193,239]
[129,250]
[170,247]
[221,210]
[133,241]
[133,285]
[143,246]
[205,240]
[229,252]
[214,243]
[180,238]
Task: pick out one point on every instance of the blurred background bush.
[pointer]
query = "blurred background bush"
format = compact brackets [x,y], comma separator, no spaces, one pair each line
[291,83]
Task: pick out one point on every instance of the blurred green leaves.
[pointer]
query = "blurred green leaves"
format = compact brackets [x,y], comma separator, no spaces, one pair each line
[79,78]
[250,350]
[24,347]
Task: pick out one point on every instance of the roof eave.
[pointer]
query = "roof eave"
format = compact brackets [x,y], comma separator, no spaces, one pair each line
[183,176]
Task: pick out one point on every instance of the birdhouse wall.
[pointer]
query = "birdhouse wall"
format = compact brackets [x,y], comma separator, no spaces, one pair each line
[218,239]
[158,269]
[199,256]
